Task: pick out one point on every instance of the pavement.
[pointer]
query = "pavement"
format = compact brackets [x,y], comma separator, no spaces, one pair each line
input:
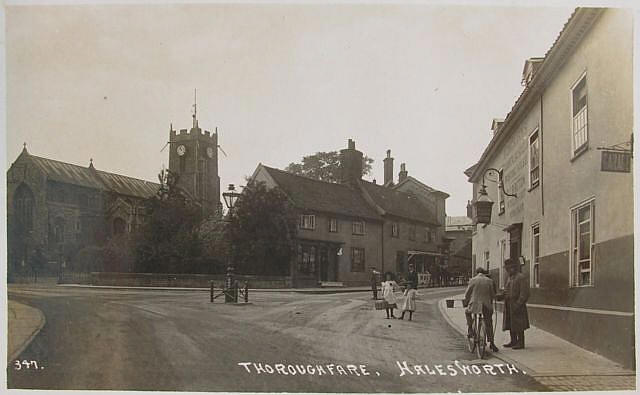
[25,323]
[552,361]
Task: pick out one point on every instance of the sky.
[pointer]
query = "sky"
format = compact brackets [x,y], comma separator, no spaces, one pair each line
[279,81]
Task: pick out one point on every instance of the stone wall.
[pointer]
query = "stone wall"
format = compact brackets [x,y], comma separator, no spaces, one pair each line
[184,280]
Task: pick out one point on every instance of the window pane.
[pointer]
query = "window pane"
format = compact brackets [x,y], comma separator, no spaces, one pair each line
[585,278]
[580,96]
[584,213]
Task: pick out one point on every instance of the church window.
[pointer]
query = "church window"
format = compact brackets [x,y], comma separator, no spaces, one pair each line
[23,204]
[58,230]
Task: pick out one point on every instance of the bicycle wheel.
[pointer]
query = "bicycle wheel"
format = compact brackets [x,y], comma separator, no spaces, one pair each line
[471,341]
[481,337]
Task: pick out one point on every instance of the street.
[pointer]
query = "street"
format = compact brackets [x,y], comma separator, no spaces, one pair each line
[177,340]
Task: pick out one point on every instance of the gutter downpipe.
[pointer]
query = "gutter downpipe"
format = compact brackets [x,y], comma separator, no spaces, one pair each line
[541,153]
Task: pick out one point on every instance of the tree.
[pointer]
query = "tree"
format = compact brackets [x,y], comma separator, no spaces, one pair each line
[169,240]
[262,231]
[324,166]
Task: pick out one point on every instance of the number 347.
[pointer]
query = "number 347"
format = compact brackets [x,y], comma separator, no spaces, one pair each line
[24,364]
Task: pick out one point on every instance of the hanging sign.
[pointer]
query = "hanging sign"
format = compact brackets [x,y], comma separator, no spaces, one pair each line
[616,161]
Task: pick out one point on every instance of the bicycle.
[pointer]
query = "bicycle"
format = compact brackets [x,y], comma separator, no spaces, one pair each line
[478,342]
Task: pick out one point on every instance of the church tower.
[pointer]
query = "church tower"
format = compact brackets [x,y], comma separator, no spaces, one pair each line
[194,157]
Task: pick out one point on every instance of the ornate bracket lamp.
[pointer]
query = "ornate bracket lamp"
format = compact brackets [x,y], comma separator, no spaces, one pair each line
[483,204]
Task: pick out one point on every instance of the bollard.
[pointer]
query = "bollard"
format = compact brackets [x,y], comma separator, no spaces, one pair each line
[211,290]
[235,291]
[246,292]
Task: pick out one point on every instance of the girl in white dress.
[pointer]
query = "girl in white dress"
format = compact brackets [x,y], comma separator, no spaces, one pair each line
[388,288]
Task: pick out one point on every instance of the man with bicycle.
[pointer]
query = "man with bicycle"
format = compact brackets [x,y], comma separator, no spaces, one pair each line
[478,299]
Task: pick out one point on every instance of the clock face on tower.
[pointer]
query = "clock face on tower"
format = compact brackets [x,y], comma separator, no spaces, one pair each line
[181,150]
[210,152]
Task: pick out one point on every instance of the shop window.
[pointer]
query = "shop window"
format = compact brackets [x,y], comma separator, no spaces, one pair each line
[307,259]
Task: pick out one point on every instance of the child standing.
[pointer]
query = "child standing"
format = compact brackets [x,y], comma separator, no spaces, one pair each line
[410,294]
[388,288]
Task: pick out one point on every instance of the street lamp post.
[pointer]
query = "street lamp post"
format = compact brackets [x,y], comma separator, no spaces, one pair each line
[230,199]
[482,206]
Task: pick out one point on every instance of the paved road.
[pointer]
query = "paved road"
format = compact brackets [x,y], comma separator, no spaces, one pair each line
[154,340]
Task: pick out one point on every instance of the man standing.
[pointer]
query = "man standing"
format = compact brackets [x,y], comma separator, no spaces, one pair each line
[515,318]
[479,299]
[374,282]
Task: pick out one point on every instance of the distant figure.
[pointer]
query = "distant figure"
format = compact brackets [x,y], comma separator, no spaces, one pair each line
[516,294]
[388,288]
[37,262]
[479,299]
[374,282]
[409,303]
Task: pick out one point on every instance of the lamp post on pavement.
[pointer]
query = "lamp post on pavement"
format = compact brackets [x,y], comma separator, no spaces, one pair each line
[230,199]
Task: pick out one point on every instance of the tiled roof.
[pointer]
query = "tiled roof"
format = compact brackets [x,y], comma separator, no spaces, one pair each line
[127,185]
[67,173]
[87,177]
[310,194]
[421,184]
[398,203]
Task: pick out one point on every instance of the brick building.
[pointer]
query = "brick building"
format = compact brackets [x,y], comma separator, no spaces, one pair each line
[348,227]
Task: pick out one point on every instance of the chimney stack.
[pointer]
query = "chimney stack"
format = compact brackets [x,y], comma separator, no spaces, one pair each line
[403,173]
[388,169]
[350,163]
[495,125]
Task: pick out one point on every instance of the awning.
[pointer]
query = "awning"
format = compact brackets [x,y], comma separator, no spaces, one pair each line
[429,253]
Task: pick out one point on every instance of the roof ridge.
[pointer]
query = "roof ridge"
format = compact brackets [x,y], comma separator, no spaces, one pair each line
[125,176]
[304,177]
[59,161]
[88,169]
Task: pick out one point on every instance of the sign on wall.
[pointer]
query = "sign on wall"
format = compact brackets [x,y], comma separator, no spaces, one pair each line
[616,161]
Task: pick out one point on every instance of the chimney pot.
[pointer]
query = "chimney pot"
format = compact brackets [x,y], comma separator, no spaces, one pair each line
[403,172]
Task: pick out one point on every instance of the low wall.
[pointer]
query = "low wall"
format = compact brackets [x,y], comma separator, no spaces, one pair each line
[184,280]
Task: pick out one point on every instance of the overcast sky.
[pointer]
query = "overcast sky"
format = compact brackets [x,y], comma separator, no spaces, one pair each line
[279,82]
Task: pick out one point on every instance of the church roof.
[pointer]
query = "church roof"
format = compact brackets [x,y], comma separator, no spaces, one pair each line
[310,194]
[128,185]
[67,173]
[89,177]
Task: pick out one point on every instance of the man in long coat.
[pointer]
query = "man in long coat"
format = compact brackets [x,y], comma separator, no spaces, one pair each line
[479,299]
[515,317]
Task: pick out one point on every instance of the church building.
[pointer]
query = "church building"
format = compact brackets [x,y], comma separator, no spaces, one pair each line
[60,208]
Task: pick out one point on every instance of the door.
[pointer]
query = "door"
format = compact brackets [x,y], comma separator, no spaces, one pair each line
[324,264]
